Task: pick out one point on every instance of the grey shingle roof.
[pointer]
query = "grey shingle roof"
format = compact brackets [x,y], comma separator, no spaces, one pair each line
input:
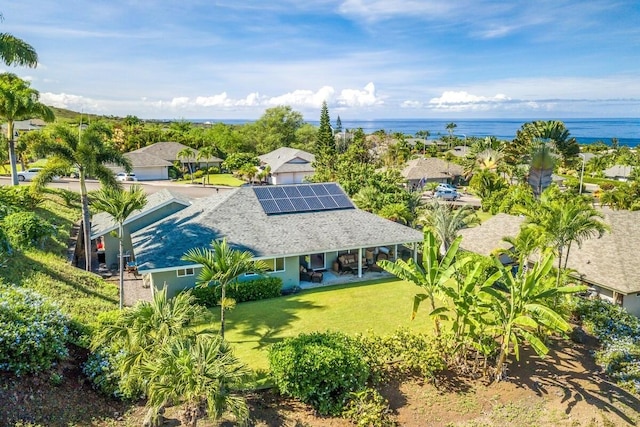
[613,260]
[430,168]
[103,223]
[238,215]
[485,238]
[142,159]
[286,159]
[616,171]
[168,150]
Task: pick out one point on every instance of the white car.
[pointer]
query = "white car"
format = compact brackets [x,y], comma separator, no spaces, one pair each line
[444,186]
[447,195]
[29,174]
[123,176]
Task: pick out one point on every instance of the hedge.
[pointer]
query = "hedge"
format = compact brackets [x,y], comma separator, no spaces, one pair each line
[251,290]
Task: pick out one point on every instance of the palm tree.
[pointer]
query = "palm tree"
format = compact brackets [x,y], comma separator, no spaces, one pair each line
[142,332]
[561,221]
[18,101]
[541,168]
[196,372]
[186,154]
[15,51]
[89,153]
[432,275]
[120,204]
[206,153]
[445,222]
[222,266]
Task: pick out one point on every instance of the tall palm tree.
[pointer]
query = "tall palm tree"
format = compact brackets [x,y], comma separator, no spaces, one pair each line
[541,168]
[15,51]
[18,101]
[120,204]
[187,154]
[445,222]
[89,152]
[221,266]
[206,153]
[561,221]
[196,372]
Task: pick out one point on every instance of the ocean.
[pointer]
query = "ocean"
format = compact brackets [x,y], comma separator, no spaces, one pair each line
[586,131]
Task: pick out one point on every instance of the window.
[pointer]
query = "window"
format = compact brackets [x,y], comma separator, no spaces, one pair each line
[275,265]
[185,272]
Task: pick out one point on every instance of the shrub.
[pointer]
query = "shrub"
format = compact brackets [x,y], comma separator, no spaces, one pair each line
[19,198]
[320,369]
[404,352]
[619,333]
[26,229]
[33,331]
[198,174]
[367,408]
[250,290]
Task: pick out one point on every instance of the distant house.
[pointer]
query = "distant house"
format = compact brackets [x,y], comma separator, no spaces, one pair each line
[618,172]
[608,264]
[159,205]
[288,165]
[153,161]
[430,169]
[288,226]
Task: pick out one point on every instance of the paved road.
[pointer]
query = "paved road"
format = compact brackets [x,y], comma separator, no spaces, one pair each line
[190,190]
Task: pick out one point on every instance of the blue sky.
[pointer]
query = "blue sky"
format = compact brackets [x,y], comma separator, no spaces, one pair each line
[221,59]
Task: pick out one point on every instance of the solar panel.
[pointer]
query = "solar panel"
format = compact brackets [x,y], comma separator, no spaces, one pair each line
[302,198]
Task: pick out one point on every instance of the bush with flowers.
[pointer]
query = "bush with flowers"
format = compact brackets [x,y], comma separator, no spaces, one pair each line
[33,331]
[619,333]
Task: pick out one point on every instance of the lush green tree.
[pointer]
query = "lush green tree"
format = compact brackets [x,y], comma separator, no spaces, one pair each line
[451,128]
[223,266]
[15,51]
[485,183]
[276,128]
[524,310]
[236,161]
[325,148]
[195,373]
[444,221]
[18,101]
[431,275]
[338,125]
[306,137]
[562,220]
[541,168]
[89,152]
[552,133]
[120,204]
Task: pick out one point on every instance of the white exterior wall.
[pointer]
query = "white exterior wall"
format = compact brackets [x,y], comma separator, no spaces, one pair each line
[631,303]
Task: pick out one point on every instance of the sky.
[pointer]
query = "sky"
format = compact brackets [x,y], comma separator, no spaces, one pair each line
[368,59]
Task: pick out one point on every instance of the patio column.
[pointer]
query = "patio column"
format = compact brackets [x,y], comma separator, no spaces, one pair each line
[395,253]
[415,252]
[359,262]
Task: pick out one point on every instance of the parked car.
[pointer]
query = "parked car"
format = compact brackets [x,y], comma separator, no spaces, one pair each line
[447,194]
[445,186]
[123,176]
[29,174]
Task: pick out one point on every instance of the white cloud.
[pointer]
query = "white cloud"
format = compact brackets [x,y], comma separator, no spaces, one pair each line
[303,98]
[461,100]
[68,101]
[359,98]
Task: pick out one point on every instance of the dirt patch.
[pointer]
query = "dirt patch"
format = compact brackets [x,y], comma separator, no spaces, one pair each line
[564,389]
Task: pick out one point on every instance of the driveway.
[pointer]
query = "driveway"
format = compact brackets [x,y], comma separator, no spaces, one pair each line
[194,191]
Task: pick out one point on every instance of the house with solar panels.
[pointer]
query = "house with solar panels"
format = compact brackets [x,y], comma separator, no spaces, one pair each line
[286,226]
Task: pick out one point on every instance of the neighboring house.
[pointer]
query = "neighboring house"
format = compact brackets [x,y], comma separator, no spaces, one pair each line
[431,169]
[153,161]
[20,126]
[460,150]
[608,264]
[312,236]
[487,238]
[288,165]
[159,205]
[618,172]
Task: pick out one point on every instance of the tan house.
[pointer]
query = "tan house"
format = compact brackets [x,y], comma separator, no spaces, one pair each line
[288,165]
[431,169]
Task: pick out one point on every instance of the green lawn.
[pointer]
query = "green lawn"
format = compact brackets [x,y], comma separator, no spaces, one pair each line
[225,179]
[381,307]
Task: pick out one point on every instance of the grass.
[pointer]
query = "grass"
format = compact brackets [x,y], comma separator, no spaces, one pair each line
[381,307]
[225,179]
